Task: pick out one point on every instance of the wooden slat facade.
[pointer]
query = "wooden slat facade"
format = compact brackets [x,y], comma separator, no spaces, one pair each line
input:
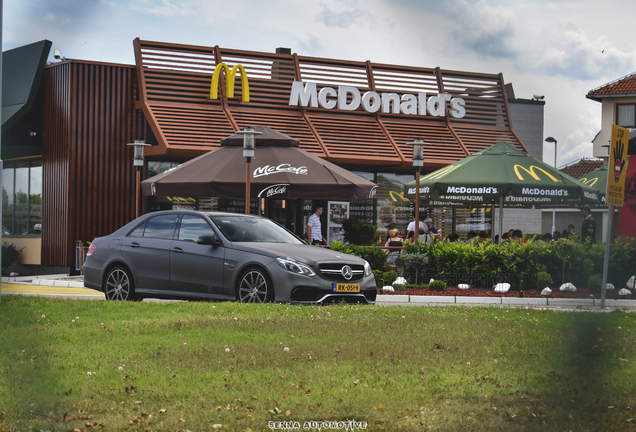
[175,87]
[88,176]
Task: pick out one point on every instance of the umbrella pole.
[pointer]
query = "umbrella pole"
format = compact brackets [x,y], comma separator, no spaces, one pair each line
[247,186]
[417,205]
[500,218]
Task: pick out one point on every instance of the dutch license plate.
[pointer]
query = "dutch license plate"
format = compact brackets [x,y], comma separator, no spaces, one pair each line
[344,287]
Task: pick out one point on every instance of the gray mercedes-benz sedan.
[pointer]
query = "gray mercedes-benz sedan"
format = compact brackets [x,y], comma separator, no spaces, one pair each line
[225,256]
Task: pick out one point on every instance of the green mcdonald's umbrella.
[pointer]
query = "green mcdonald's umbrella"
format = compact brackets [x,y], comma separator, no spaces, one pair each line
[598,180]
[504,175]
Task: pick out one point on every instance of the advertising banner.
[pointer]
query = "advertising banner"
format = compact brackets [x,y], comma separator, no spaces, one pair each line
[338,212]
[617,168]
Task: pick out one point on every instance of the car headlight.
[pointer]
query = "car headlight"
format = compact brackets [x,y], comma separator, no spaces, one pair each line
[367,269]
[294,266]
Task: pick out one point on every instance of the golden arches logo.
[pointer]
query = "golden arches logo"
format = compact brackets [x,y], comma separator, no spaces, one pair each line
[441,172]
[398,196]
[532,172]
[230,77]
[589,182]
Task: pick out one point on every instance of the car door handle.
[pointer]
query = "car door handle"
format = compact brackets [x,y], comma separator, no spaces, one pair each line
[178,250]
[135,245]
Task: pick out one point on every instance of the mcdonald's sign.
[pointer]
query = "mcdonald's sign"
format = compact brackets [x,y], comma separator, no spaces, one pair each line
[230,77]
[590,182]
[532,172]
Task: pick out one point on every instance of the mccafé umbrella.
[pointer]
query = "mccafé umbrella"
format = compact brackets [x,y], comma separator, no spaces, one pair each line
[280,170]
[598,180]
[502,171]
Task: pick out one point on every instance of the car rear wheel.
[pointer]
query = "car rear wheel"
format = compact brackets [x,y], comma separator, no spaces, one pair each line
[255,287]
[119,285]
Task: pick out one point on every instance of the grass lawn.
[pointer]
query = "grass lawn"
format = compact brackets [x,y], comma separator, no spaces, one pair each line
[93,365]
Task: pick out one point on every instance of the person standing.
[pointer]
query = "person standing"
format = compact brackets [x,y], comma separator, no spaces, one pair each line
[410,229]
[314,228]
[588,228]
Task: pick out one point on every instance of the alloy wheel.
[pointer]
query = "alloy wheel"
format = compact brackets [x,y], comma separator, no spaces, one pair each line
[118,285]
[253,287]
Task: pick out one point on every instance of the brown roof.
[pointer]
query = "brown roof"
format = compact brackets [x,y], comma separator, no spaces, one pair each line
[174,84]
[625,86]
[582,167]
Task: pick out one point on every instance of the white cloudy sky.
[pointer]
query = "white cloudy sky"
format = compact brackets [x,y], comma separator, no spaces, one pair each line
[560,49]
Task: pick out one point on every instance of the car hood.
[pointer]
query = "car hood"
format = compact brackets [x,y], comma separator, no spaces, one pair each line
[300,252]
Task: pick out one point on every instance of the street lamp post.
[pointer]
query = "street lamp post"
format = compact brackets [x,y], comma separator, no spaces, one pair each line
[552,140]
[249,146]
[418,161]
[138,162]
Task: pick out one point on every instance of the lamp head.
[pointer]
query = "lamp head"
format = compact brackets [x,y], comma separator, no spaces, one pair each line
[550,140]
[138,155]
[249,141]
[418,151]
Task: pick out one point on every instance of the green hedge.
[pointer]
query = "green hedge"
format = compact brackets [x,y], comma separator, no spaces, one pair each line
[581,260]
[492,261]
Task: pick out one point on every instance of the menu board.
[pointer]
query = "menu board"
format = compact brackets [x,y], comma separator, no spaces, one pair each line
[338,212]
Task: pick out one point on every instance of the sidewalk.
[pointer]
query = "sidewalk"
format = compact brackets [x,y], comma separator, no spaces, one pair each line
[63,286]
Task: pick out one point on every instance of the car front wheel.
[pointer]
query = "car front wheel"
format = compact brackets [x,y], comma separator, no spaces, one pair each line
[119,285]
[254,287]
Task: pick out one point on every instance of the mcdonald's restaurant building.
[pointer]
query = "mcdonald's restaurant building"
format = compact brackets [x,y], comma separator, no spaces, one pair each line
[68,173]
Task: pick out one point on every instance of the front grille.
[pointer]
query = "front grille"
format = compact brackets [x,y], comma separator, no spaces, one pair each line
[333,271]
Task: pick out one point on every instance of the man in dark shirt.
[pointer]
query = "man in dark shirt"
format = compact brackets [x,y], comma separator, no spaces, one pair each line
[588,228]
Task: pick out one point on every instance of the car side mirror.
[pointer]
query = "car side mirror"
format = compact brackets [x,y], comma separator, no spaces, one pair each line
[209,240]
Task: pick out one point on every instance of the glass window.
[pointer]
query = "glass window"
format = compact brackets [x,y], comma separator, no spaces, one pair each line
[21,210]
[158,167]
[626,115]
[7,200]
[139,231]
[193,227]
[160,227]
[35,199]
[22,197]
[392,207]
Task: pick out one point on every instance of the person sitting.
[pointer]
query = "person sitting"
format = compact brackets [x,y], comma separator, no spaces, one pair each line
[547,238]
[517,236]
[556,235]
[470,237]
[483,237]
[425,236]
[393,241]
[452,237]
[432,230]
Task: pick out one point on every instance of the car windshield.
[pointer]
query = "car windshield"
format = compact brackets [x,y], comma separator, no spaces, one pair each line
[250,229]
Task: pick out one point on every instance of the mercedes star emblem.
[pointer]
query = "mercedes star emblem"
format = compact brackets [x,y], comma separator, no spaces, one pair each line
[347,272]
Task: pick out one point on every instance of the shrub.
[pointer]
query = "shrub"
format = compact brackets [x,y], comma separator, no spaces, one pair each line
[438,285]
[10,254]
[595,282]
[390,277]
[414,263]
[544,280]
[357,232]
[379,278]
[399,287]
[375,255]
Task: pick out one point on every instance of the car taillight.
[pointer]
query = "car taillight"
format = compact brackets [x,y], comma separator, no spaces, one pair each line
[91,249]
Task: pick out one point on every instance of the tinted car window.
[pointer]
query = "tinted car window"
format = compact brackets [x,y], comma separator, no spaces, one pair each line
[160,227]
[139,231]
[250,229]
[192,227]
